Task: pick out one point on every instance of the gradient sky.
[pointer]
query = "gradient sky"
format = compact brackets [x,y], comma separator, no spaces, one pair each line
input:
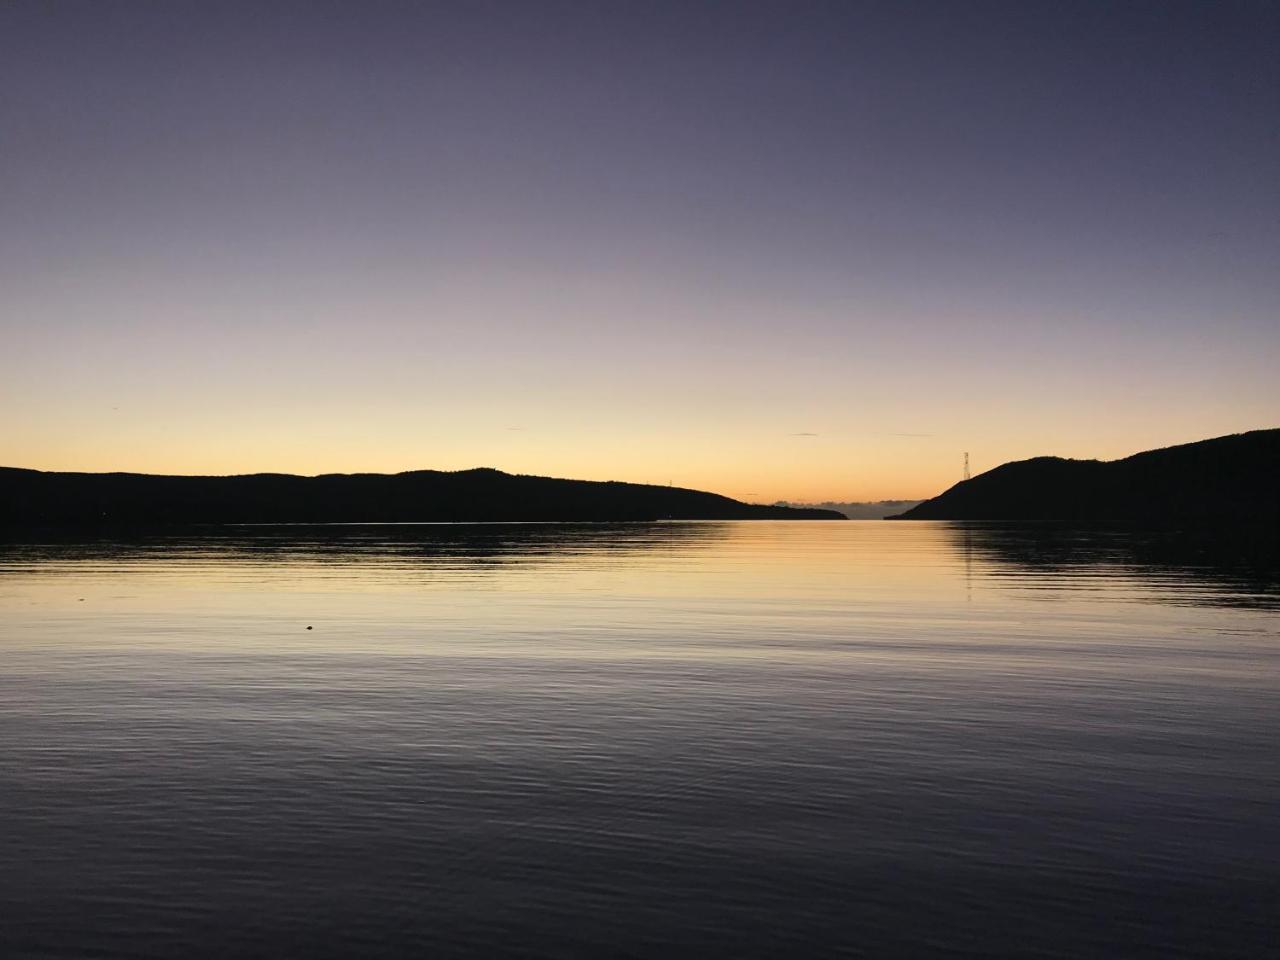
[792,250]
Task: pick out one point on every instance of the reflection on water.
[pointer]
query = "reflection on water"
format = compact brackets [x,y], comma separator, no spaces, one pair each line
[404,545]
[1229,568]
[750,739]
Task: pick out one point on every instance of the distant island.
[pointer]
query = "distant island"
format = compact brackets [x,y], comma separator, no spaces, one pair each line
[38,498]
[1233,479]
[858,509]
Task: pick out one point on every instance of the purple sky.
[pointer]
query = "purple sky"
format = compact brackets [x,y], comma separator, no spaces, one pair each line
[777,250]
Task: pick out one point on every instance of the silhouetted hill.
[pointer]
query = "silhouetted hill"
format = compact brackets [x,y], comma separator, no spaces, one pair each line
[33,497]
[1233,479]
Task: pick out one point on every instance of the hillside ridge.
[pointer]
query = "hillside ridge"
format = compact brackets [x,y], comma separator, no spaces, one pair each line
[1234,478]
[479,494]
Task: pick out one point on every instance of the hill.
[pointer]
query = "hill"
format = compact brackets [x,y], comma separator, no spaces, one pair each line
[1234,479]
[37,498]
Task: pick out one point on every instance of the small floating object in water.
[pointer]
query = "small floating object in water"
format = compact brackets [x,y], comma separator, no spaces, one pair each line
[308,628]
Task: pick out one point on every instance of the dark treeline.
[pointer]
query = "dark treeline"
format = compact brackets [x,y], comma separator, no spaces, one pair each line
[36,498]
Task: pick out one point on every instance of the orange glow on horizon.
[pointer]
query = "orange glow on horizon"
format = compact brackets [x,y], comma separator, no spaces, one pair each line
[797,469]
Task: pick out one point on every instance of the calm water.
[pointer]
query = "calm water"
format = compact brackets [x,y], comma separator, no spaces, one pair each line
[743,739]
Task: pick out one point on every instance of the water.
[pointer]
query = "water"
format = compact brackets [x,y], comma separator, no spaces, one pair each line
[736,739]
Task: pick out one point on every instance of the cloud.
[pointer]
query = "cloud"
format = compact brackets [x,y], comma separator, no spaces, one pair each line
[802,434]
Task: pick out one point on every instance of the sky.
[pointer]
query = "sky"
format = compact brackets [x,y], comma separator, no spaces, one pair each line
[799,251]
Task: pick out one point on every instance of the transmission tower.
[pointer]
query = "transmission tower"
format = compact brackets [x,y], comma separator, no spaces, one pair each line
[966,465]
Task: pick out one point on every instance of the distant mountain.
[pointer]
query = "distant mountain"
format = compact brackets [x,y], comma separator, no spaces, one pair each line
[33,497]
[859,509]
[1229,479]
